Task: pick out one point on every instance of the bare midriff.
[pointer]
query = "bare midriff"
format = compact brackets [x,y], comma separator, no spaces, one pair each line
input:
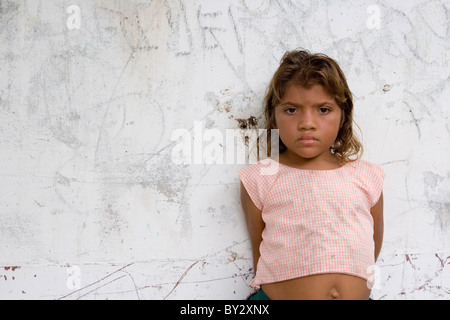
[329,286]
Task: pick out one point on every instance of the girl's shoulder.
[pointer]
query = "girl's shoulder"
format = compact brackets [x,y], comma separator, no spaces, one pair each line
[258,179]
[368,172]
[366,165]
[371,176]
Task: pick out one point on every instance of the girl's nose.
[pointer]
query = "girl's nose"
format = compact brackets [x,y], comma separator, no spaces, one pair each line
[307,121]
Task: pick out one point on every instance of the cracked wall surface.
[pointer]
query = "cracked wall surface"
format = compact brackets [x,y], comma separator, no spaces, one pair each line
[93,204]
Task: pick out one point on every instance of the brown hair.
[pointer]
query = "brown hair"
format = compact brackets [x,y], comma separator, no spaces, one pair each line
[300,67]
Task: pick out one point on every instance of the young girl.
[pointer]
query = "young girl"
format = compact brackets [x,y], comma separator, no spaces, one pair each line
[316,223]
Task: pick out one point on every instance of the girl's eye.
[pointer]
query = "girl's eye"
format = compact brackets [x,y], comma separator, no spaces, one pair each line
[290,110]
[324,110]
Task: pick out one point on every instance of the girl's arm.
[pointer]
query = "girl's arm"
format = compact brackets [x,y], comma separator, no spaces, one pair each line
[255,223]
[377,215]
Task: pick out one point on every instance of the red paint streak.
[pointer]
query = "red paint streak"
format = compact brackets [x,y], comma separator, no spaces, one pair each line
[95,282]
[442,261]
[181,278]
[408,259]
[11,267]
[95,289]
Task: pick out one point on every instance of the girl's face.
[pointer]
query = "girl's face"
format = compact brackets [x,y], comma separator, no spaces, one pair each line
[308,121]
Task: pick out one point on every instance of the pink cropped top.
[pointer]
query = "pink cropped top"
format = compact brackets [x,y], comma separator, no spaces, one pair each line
[316,221]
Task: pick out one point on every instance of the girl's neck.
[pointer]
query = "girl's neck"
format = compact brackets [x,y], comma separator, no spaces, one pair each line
[323,162]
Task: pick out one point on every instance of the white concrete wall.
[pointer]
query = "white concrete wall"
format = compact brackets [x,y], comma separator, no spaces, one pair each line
[92,205]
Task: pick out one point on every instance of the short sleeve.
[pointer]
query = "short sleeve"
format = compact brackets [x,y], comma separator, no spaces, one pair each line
[374,182]
[251,179]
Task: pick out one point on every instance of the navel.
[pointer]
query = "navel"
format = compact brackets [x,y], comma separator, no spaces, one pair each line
[334,294]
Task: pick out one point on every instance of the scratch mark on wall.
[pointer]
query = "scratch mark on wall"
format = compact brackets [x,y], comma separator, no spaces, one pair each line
[102,127]
[181,278]
[96,282]
[100,286]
